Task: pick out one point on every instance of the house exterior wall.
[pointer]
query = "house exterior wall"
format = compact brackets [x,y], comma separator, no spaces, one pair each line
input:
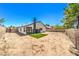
[21,30]
[38,26]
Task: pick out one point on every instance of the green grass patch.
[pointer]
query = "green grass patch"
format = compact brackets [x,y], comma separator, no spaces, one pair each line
[38,35]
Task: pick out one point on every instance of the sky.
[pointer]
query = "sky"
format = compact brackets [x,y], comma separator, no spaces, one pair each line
[18,14]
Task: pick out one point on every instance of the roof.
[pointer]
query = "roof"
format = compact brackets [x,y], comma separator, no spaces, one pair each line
[32,23]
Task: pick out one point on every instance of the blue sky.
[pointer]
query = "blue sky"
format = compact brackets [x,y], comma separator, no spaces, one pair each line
[23,13]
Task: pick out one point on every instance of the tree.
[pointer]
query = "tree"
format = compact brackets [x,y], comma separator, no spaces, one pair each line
[2,20]
[12,27]
[71,13]
[34,25]
[78,23]
[47,25]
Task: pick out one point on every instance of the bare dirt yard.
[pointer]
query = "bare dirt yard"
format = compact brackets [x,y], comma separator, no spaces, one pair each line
[54,44]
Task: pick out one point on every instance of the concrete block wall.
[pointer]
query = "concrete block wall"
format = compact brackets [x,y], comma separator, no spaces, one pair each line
[73,34]
[2,31]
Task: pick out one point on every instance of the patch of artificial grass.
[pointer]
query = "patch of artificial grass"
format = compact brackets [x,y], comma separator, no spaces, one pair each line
[38,35]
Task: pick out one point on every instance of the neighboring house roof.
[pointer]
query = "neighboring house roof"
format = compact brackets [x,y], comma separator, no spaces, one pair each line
[48,26]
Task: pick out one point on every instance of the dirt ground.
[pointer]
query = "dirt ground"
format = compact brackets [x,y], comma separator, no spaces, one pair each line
[54,44]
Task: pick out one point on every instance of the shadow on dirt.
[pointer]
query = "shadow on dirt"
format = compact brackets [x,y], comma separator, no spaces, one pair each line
[20,34]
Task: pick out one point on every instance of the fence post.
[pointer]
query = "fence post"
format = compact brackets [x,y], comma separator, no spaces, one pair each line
[77,39]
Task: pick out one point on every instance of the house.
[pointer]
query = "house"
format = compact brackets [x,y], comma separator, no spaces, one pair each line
[50,28]
[27,29]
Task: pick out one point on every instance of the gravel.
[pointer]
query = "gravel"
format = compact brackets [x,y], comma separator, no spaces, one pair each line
[54,44]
